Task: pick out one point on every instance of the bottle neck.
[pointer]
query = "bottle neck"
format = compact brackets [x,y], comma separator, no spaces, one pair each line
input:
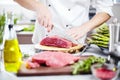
[9,18]
[9,31]
[12,32]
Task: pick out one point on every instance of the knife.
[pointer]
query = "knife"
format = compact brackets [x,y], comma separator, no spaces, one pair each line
[62,33]
[84,49]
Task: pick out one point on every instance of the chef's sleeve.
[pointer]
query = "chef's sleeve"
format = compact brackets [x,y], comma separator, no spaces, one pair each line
[104,6]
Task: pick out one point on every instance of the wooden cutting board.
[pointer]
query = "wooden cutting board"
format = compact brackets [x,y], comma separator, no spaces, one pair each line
[74,49]
[43,71]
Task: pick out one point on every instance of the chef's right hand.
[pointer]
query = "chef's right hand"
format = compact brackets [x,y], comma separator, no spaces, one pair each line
[44,17]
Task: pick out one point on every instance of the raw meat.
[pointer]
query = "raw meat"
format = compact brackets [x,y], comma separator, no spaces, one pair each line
[32,65]
[54,59]
[56,41]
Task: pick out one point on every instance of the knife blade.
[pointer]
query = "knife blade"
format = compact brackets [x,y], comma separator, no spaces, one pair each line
[84,49]
[62,33]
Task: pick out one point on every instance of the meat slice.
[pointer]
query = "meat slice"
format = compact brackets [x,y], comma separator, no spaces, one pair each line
[54,59]
[56,42]
[31,65]
[61,59]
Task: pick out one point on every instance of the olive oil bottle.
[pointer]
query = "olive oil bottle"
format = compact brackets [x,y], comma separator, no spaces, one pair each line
[12,54]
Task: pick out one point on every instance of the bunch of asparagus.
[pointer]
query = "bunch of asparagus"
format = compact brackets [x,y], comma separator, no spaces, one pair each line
[100,37]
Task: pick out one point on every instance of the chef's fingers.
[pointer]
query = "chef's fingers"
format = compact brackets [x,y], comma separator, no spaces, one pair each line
[70,32]
[73,34]
[50,26]
[41,20]
[45,22]
[77,37]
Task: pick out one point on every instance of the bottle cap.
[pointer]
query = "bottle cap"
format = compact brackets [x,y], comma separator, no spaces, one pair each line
[10,26]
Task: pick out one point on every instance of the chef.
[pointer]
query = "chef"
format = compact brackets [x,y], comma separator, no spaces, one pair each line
[66,18]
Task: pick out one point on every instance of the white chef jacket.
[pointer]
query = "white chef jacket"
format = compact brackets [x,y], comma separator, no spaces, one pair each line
[67,14]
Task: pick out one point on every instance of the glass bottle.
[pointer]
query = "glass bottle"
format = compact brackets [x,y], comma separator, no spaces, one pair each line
[12,54]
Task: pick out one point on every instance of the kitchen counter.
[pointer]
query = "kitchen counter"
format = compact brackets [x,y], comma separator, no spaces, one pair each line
[94,50]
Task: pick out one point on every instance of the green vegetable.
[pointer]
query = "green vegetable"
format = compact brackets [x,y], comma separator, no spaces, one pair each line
[107,35]
[103,28]
[2,24]
[2,20]
[15,20]
[101,45]
[26,55]
[100,39]
[98,42]
[30,28]
[101,36]
[85,65]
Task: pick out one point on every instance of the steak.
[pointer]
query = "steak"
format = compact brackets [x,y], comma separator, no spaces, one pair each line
[32,65]
[56,41]
[54,59]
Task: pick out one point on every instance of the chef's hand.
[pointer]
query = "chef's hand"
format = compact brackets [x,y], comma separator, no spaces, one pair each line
[97,20]
[44,17]
[77,32]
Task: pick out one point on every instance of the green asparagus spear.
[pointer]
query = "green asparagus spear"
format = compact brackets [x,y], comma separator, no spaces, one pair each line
[101,45]
[103,32]
[107,35]
[100,39]
[103,29]
[99,35]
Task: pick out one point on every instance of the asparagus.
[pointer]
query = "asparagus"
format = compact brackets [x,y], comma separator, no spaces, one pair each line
[103,29]
[107,35]
[100,39]
[103,32]
[99,35]
[98,42]
[101,45]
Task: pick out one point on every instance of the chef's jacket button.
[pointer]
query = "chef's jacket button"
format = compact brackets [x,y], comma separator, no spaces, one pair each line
[67,25]
[49,5]
[69,9]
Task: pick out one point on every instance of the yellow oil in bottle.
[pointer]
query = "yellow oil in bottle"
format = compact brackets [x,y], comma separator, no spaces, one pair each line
[12,55]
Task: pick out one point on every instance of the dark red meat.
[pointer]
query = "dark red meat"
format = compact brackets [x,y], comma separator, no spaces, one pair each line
[54,59]
[56,42]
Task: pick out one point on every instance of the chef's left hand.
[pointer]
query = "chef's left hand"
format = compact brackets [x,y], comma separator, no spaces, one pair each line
[77,32]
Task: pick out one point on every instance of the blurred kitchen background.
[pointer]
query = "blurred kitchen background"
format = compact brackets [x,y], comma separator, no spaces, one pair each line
[26,18]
